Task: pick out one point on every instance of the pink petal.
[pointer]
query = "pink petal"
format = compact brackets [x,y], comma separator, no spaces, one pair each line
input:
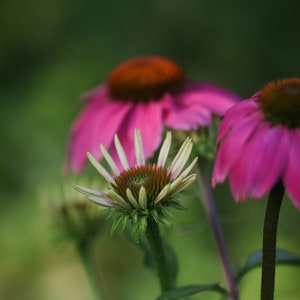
[96,125]
[232,147]
[216,99]
[147,117]
[99,94]
[237,112]
[292,172]
[239,173]
[270,150]
[179,116]
[195,106]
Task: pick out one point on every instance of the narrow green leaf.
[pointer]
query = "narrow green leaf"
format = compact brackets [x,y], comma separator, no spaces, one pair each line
[254,260]
[189,290]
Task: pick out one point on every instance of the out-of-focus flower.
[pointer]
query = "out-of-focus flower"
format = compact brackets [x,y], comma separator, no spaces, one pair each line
[75,219]
[259,142]
[146,93]
[144,190]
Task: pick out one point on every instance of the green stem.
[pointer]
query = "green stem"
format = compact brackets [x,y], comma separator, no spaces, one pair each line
[158,253]
[92,274]
[269,241]
[211,212]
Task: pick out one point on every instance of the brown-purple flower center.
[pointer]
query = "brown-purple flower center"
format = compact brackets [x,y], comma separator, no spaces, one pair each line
[145,78]
[280,102]
[152,178]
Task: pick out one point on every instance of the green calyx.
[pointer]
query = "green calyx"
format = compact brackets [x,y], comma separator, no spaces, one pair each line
[138,218]
[280,102]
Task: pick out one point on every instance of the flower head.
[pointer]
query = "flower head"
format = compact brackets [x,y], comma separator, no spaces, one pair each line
[142,191]
[147,93]
[259,142]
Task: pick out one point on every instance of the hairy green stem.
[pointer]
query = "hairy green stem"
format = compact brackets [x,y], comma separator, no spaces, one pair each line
[158,253]
[269,241]
[211,212]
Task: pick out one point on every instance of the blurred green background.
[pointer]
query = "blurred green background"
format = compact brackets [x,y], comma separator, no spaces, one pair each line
[51,51]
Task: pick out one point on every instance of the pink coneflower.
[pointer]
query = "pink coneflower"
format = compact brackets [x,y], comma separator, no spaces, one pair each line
[146,93]
[259,142]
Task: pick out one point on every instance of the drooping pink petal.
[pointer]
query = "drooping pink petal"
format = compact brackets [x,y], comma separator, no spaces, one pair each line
[96,125]
[215,99]
[239,173]
[231,148]
[238,112]
[195,106]
[147,117]
[291,174]
[265,167]
[99,94]
[177,115]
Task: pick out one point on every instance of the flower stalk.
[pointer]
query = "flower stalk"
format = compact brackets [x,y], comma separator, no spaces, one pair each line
[91,272]
[211,212]
[159,257]
[269,241]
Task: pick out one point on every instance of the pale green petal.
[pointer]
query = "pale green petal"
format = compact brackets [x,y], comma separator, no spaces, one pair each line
[142,198]
[131,198]
[189,168]
[181,158]
[87,191]
[164,151]
[118,199]
[163,193]
[175,183]
[102,201]
[95,196]
[99,168]
[110,161]
[138,146]
[121,153]
[185,183]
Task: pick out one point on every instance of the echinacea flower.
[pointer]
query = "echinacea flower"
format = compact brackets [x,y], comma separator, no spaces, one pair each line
[144,190]
[259,142]
[147,93]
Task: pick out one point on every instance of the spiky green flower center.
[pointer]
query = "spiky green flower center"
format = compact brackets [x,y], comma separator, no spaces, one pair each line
[152,178]
[280,102]
[145,78]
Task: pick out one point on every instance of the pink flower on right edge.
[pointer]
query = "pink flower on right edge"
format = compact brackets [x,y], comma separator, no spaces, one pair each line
[258,143]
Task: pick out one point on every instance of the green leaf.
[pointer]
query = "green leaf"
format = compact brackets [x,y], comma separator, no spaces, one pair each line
[189,290]
[254,260]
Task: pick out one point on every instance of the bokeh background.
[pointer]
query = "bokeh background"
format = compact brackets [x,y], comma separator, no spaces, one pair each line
[51,51]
